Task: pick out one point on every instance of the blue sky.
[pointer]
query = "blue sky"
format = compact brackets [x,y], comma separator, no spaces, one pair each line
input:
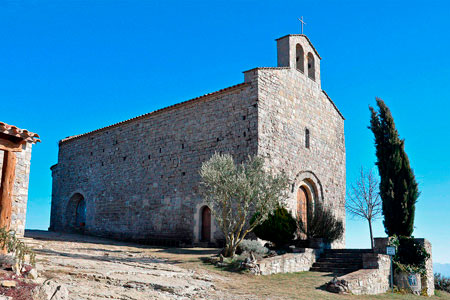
[67,67]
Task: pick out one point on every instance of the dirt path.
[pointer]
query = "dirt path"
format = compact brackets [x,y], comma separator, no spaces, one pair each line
[94,268]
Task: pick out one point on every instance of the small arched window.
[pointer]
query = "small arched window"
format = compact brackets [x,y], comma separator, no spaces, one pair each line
[311,66]
[300,58]
[307,142]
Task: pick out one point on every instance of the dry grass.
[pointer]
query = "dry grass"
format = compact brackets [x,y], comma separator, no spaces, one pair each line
[303,285]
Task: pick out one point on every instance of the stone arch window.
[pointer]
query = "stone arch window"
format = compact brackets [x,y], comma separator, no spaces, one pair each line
[76,213]
[300,58]
[307,138]
[311,66]
[205,221]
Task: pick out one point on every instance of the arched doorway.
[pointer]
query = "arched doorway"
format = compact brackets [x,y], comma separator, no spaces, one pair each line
[303,206]
[80,214]
[76,213]
[206,224]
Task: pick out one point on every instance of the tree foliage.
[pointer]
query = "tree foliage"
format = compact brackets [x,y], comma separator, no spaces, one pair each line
[363,199]
[236,192]
[398,187]
[321,224]
[279,227]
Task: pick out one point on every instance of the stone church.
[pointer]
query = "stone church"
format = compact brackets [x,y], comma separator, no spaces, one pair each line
[138,179]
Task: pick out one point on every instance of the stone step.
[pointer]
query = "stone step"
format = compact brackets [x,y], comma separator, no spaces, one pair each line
[343,255]
[203,245]
[332,265]
[334,270]
[357,251]
[340,260]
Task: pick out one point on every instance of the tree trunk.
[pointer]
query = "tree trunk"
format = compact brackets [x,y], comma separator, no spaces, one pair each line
[371,234]
[6,189]
[230,250]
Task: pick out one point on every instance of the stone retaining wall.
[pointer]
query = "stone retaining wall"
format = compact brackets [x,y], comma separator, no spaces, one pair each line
[290,262]
[427,280]
[373,278]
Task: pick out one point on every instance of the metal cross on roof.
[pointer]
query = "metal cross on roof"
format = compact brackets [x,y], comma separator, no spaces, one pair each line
[303,23]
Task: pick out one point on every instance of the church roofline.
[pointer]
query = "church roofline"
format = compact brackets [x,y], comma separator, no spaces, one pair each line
[332,102]
[267,68]
[168,108]
[312,46]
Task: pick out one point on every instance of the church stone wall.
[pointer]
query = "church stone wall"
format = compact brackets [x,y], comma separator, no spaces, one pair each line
[289,102]
[20,190]
[140,178]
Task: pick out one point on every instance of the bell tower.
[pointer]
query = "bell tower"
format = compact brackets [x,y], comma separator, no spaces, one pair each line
[297,52]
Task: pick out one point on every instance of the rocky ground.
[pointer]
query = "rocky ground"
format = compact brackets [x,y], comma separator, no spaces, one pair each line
[93,268]
[76,267]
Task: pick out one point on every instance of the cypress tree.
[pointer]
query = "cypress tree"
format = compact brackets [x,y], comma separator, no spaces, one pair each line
[398,187]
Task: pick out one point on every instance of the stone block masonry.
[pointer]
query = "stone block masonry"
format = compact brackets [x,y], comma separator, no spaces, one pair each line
[139,179]
[287,263]
[373,278]
[19,143]
[428,279]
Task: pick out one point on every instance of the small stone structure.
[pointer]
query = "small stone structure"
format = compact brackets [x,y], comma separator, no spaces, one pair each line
[372,279]
[15,157]
[290,262]
[428,279]
[139,179]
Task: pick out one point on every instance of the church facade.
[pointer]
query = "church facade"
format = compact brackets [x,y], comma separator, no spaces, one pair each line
[138,179]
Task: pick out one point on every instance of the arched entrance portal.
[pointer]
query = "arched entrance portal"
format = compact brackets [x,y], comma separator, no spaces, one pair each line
[206,224]
[80,217]
[303,206]
[76,213]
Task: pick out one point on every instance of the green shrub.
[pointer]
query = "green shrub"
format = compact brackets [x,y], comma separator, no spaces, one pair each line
[441,282]
[322,224]
[279,228]
[252,246]
[410,256]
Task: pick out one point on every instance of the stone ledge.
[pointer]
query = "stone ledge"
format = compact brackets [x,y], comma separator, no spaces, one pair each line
[373,279]
[290,262]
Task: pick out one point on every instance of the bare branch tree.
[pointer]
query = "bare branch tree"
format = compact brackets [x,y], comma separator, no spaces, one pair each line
[363,200]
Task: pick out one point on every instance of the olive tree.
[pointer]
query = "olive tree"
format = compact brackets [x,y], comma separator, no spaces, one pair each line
[236,192]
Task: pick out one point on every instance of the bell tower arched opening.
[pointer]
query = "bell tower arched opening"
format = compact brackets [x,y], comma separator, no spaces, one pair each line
[300,58]
[311,66]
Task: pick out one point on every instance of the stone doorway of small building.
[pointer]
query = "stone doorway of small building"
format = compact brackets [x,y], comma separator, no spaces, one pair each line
[205,233]
[76,213]
[304,205]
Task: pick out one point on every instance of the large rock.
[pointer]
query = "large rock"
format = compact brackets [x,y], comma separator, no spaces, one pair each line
[51,290]
[337,286]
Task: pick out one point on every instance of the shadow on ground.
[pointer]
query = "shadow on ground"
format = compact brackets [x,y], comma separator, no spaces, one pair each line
[113,255]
